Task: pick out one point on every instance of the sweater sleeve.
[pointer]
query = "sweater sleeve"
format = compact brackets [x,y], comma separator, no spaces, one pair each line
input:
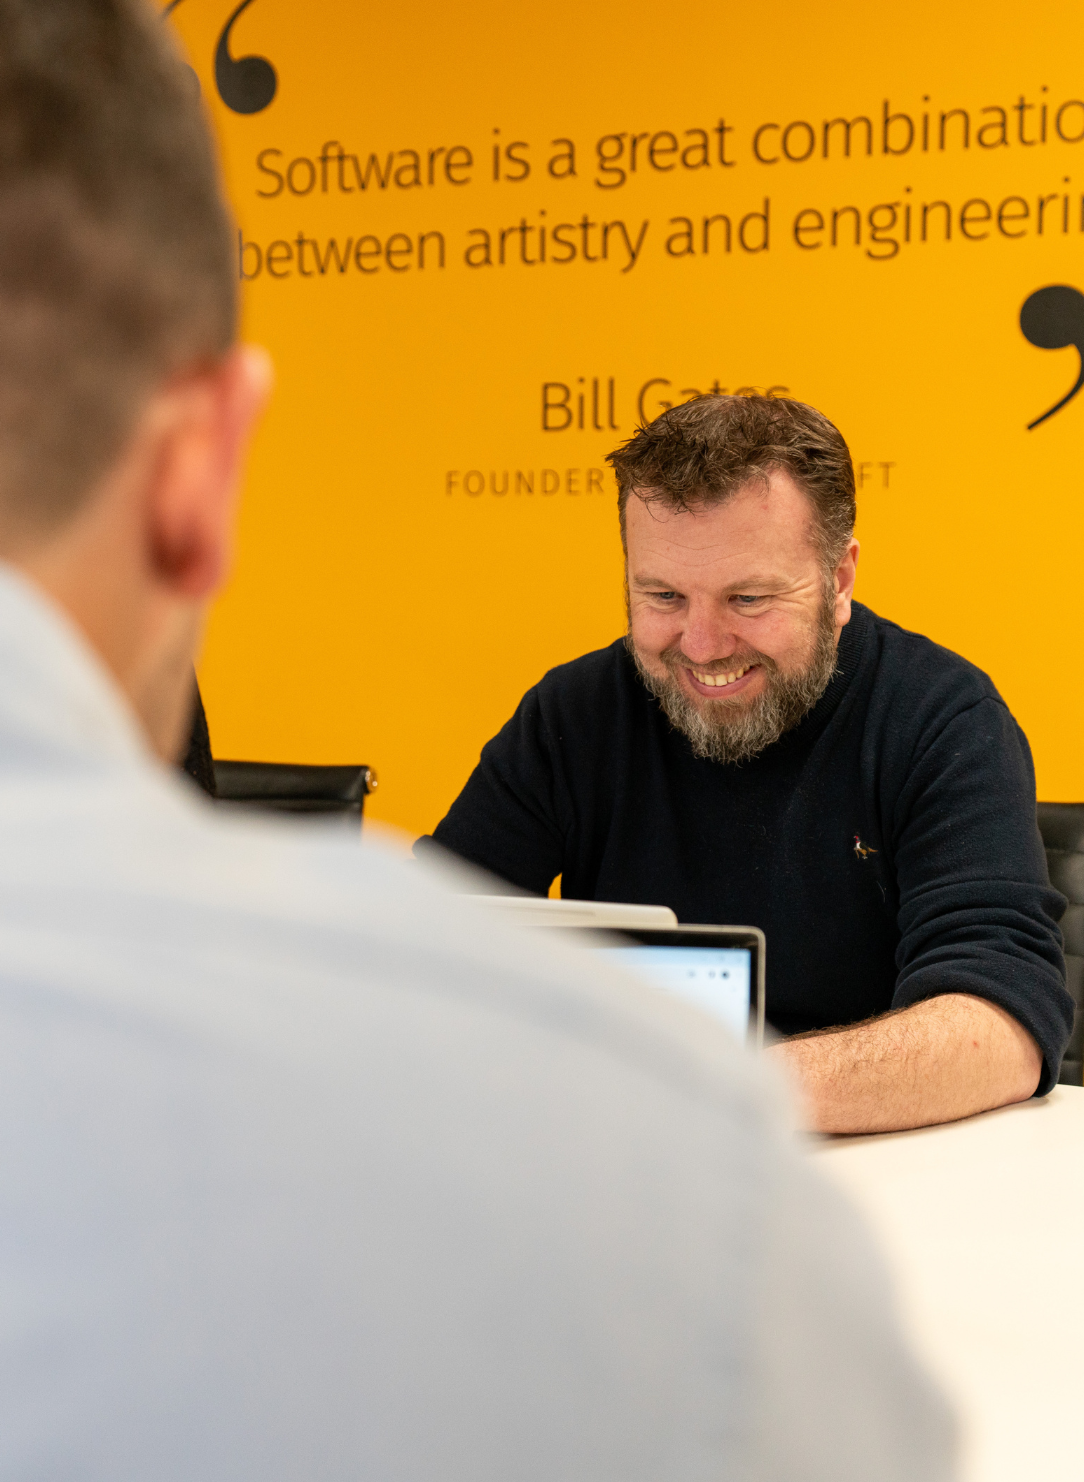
[977,913]
[505,819]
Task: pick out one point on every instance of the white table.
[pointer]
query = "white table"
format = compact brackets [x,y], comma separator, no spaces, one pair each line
[982,1223]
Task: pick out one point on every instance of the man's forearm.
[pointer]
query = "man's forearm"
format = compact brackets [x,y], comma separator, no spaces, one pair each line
[942,1059]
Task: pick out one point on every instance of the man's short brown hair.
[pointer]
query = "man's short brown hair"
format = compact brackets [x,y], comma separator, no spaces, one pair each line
[702,452]
[116,266]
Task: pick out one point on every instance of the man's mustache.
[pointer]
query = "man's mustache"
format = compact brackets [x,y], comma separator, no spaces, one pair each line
[674,659]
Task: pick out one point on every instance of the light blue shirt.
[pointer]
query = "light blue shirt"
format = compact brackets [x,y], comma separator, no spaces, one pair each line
[310,1171]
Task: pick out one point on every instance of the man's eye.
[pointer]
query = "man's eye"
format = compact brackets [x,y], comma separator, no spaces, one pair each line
[748,601]
[664,596]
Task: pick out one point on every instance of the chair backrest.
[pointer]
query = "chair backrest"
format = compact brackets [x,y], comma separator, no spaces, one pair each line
[289,788]
[1062,828]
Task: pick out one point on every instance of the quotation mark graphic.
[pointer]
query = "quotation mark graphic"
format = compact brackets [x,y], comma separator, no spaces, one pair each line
[245,84]
[1052,318]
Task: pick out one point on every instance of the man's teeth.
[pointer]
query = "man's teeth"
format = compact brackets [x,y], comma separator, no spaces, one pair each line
[719,679]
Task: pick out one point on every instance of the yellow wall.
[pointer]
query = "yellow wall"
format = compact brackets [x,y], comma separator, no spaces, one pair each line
[376,617]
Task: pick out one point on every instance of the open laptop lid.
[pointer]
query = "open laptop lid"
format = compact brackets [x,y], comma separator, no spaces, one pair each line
[533,910]
[720,969]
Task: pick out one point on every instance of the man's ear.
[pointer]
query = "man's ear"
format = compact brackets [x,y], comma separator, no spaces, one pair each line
[845,576]
[198,429]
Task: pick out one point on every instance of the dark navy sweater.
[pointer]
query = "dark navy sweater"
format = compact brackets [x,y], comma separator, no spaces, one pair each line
[887,845]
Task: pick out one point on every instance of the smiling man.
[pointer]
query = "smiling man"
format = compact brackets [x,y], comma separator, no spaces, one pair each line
[762,750]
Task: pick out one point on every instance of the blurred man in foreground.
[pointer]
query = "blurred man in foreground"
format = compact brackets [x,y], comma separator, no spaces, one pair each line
[307,1172]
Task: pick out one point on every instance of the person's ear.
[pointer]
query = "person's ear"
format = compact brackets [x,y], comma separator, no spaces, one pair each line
[202,424]
[844,580]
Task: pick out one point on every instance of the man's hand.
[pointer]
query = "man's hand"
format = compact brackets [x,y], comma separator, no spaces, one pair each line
[942,1059]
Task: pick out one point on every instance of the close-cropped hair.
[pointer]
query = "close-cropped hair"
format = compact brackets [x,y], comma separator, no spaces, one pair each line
[116,268]
[703,451]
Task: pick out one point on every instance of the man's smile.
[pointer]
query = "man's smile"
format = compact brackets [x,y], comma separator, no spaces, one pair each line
[735,680]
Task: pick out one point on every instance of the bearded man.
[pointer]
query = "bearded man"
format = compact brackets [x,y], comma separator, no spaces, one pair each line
[761,750]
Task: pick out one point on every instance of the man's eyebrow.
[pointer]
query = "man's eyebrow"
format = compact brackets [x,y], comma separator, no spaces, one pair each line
[652,581]
[743,585]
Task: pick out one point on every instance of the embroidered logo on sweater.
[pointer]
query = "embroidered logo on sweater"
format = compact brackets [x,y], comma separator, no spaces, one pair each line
[862,851]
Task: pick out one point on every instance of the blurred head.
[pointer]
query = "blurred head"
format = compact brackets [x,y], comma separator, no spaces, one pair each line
[123,402]
[737,515]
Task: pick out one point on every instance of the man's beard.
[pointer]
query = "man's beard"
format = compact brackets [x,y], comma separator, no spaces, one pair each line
[736,730]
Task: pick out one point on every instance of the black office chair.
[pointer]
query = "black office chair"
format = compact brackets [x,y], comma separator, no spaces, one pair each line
[280,786]
[288,788]
[1062,828]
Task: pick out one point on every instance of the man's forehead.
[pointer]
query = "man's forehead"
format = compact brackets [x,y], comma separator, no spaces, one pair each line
[765,515]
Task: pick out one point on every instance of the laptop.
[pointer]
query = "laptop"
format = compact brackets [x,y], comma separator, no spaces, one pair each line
[533,910]
[720,969]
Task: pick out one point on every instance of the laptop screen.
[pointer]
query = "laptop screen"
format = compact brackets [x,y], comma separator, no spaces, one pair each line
[719,969]
[714,978]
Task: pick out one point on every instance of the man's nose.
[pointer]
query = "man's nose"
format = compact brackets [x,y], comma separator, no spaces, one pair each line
[707,635]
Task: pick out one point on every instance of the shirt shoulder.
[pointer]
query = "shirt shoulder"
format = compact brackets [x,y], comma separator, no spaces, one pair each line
[917,678]
[593,699]
[584,678]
